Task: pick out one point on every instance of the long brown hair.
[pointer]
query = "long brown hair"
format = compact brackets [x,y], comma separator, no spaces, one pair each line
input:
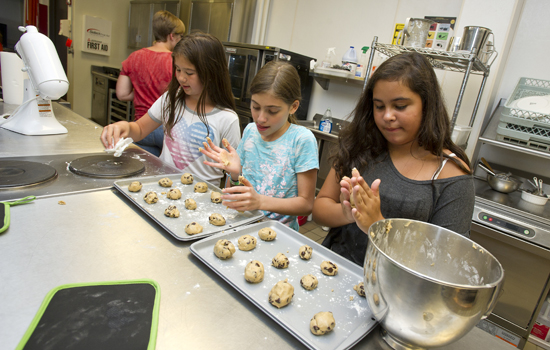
[206,53]
[361,142]
[280,79]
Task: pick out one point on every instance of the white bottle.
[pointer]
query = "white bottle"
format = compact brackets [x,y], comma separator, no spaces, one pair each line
[349,60]
[361,70]
[326,122]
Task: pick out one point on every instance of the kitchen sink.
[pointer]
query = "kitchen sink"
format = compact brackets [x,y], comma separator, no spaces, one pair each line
[313,125]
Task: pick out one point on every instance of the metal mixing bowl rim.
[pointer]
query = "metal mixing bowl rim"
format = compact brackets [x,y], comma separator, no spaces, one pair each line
[435,280]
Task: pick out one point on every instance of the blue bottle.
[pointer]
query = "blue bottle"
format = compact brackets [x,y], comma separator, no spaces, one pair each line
[326,122]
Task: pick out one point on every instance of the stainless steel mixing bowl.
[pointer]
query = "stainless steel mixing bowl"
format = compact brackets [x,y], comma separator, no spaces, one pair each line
[427,286]
[503,183]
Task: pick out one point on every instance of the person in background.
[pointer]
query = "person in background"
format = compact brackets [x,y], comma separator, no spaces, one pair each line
[400,143]
[277,159]
[146,73]
[198,105]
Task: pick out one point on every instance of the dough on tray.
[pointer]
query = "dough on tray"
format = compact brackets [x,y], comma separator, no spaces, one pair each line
[360,289]
[217,219]
[172,212]
[201,187]
[322,323]
[224,249]
[246,242]
[165,182]
[187,179]
[190,204]
[281,294]
[216,197]
[193,228]
[151,197]
[267,234]
[174,193]
[309,282]
[280,261]
[329,268]
[254,272]
[305,252]
[135,186]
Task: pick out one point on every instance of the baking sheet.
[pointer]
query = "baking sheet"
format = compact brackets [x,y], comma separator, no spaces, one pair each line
[354,319]
[205,207]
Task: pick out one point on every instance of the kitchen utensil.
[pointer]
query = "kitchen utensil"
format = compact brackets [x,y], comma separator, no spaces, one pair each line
[534,198]
[416,31]
[482,166]
[504,183]
[5,211]
[486,163]
[454,44]
[475,38]
[427,286]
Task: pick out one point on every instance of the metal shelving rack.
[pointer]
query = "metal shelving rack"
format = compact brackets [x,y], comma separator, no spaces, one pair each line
[462,62]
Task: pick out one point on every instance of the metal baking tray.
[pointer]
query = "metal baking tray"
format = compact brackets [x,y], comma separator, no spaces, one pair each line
[354,318]
[205,207]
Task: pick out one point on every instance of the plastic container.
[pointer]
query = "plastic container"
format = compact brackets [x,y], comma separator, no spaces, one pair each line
[541,328]
[349,60]
[326,122]
[533,198]
[361,70]
[460,134]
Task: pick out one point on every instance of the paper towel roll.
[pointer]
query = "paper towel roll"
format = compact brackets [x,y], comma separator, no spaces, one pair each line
[12,77]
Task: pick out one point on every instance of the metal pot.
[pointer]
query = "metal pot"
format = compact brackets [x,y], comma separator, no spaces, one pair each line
[427,286]
[503,182]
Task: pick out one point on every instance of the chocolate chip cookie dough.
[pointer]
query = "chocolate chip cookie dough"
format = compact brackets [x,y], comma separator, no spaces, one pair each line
[187,179]
[267,234]
[201,187]
[172,212]
[193,228]
[224,249]
[254,272]
[190,204]
[216,197]
[174,193]
[151,197]
[360,289]
[280,261]
[329,268]
[165,182]
[305,252]
[309,282]
[281,294]
[322,323]
[217,219]
[135,186]
[246,242]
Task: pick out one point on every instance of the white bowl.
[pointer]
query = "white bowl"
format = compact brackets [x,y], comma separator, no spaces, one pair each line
[533,198]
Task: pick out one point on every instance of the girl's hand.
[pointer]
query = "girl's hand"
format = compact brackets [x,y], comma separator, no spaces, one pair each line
[345,194]
[228,161]
[242,198]
[114,132]
[367,203]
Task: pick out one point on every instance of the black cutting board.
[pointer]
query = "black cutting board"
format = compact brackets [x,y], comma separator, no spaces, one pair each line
[111,315]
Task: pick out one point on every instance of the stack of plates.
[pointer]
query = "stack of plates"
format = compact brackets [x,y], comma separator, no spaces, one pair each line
[537,104]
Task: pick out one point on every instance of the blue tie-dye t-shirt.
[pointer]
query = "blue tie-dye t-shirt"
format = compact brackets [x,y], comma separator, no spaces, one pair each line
[272,167]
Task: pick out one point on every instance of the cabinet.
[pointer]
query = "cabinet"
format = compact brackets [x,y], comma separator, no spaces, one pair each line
[140,20]
[462,62]
[119,110]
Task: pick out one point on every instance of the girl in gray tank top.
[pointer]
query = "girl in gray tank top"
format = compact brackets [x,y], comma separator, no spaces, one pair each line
[396,160]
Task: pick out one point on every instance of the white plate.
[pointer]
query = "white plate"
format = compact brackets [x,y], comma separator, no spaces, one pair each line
[537,104]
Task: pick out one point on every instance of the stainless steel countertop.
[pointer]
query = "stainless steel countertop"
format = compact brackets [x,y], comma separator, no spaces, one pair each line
[101,236]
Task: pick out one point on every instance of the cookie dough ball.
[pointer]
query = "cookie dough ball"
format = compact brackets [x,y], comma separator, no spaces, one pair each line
[151,197]
[305,252]
[254,272]
[329,268]
[280,261]
[309,282]
[217,219]
[165,182]
[172,212]
[216,197]
[187,179]
[224,249]
[201,187]
[360,289]
[174,193]
[135,186]
[267,234]
[190,204]
[247,242]
[322,323]
[281,294]
[193,228]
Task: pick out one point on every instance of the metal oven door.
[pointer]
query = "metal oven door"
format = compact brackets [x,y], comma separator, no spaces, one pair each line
[243,65]
[526,270]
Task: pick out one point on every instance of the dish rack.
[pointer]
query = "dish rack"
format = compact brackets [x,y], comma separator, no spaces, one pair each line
[523,127]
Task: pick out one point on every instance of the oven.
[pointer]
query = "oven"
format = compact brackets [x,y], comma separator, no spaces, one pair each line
[516,232]
[244,61]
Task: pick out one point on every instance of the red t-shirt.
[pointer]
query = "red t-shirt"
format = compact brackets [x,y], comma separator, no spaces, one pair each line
[150,73]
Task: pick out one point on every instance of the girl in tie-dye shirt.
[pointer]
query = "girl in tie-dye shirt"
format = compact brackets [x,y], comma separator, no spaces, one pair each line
[277,159]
